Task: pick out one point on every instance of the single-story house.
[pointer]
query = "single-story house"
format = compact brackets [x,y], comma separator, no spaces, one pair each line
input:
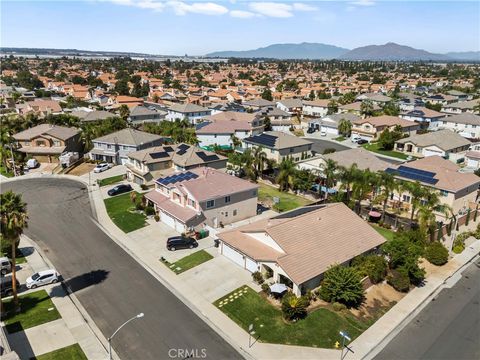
[297,247]
[315,108]
[292,106]
[371,128]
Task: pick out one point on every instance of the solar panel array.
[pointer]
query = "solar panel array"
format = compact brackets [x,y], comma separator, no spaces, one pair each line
[172,179]
[182,149]
[206,157]
[414,174]
[263,139]
[168,148]
[159,155]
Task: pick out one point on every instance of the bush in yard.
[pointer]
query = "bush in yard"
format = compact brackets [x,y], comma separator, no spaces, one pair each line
[399,280]
[149,210]
[139,206]
[157,217]
[144,187]
[342,284]
[436,253]
[266,288]
[338,306]
[373,266]
[293,307]
[257,277]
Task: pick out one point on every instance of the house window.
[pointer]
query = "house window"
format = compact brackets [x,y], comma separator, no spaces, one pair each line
[227,199]
[40,143]
[56,143]
[210,204]
[292,150]
[443,193]
[191,202]
[406,198]
[235,212]
[26,143]
[226,213]
[109,146]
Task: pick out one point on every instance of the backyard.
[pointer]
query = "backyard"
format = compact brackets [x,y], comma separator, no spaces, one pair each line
[286,202]
[386,233]
[122,211]
[188,262]
[374,147]
[36,308]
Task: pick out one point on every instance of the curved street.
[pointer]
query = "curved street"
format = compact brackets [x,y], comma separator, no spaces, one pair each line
[108,282]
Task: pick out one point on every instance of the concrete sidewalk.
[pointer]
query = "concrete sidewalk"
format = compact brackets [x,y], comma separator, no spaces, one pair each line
[75,326]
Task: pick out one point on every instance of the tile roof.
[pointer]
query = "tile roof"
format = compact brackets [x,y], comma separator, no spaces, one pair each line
[444,139]
[187,108]
[128,136]
[386,120]
[276,140]
[59,132]
[466,118]
[363,158]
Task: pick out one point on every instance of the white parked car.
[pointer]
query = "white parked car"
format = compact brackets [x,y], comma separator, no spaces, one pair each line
[323,133]
[42,278]
[101,167]
[32,163]
[355,138]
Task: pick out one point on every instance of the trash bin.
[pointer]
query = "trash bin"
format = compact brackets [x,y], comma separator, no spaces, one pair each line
[216,243]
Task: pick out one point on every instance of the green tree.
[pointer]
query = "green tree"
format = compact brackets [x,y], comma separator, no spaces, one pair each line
[122,88]
[367,108]
[342,284]
[329,171]
[286,174]
[417,192]
[345,127]
[267,95]
[332,107]
[436,253]
[347,176]
[293,307]
[124,112]
[388,186]
[14,219]
[374,266]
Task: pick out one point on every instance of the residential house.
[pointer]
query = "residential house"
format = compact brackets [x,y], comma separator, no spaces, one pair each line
[141,114]
[472,159]
[279,120]
[191,112]
[220,129]
[466,124]
[329,123]
[297,247]
[92,116]
[427,117]
[471,107]
[371,128]
[445,143]
[375,98]
[203,196]
[46,142]
[278,145]
[315,108]
[39,107]
[355,108]
[258,104]
[457,190]
[115,147]
[292,106]
[144,166]
[120,100]
[216,108]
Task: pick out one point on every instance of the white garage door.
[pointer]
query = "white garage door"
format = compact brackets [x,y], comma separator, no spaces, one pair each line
[471,163]
[233,255]
[179,226]
[167,219]
[251,265]
[427,152]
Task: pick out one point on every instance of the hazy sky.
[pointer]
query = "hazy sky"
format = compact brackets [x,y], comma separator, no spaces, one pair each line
[196,28]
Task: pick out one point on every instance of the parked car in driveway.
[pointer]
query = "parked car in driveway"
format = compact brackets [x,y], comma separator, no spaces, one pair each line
[6,265]
[181,242]
[311,130]
[42,278]
[6,286]
[362,142]
[120,189]
[101,167]
[32,163]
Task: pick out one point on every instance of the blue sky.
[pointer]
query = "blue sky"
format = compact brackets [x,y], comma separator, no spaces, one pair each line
[196,28]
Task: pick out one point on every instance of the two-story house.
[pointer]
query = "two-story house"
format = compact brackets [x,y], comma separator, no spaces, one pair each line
[188,111]
[427,117]
[470,106]
[445,143]
[315,108]
[46,142]
[292,106]
[115,147]
[144,166]
[467,125]
[278,145]
[142,114]
[221,128]
[203,196]
[371,128]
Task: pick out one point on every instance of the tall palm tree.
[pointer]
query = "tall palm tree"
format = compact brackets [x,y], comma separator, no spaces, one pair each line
[344,127]
[286,174]
[388,186]
[13,218]
[417,192]
[329,171]
[259,159]
[347,177]
[361,187]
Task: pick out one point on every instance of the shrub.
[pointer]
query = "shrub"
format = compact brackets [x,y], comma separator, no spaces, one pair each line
[399,280]
[458,248]
[157,217]
[310,295]
[338,306]
[143,186]
[139,206]
[436,253]
[149,210]
[373,266]
[342,284]
[257,277]
[266,288]
[293,307]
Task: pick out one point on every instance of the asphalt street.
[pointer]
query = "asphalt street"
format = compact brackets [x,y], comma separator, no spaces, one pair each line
[109,283]
[447,329]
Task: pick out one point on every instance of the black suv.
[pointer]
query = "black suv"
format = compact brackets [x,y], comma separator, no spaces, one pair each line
[6,286]
[119,189]
[181,242]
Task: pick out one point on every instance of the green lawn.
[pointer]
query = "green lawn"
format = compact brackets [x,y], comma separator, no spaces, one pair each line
[72,352]
[319,329]
[340,138]
[386,233]
[5,172]
[110,180]
[34,311]
[122,212]
[287,201]
[375,148]
[189,261]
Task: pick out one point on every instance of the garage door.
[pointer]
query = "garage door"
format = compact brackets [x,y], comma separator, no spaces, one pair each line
[472,163]
[179,226]
[427,152]
[251,265]
[137,180]
[170,221]
[233,255]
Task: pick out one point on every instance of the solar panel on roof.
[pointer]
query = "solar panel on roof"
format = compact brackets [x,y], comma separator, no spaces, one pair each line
[416,171]
[414,174]
[168,148]
[206,157]
[159,155]
[184,146]
[177,178]
[264,139]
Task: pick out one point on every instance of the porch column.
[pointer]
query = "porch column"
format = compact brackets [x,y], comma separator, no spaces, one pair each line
[276,276]
[296,290]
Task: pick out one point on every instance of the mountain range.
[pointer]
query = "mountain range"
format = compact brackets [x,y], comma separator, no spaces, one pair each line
[387,52]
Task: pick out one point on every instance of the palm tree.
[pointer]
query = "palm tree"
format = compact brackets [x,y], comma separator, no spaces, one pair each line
[329,171]
[13,217]
[347,177]
[361,188]
[236,142]
[366,108]
[389,185]
[344,127]
[259,159]
[417,192]
[286,174]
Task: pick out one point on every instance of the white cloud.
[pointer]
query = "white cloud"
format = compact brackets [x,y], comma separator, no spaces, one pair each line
[363,3]
[243,14]
[303,7]
[205,8]
[272,9]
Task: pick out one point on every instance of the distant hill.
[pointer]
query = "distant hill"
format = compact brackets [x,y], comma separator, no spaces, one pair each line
[287,51]
[392,52]
[465,55]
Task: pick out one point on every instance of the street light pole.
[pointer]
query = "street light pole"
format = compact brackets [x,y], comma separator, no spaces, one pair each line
[344,336]
[116,331]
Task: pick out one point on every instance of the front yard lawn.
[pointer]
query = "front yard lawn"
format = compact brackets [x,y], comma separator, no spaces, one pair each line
[110,180]
[340,138]
[386,233]
[72,352]
[5,172]
[122,212]
[189,261]
[287,201]
[36,308]
[374,147]
[319,329]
